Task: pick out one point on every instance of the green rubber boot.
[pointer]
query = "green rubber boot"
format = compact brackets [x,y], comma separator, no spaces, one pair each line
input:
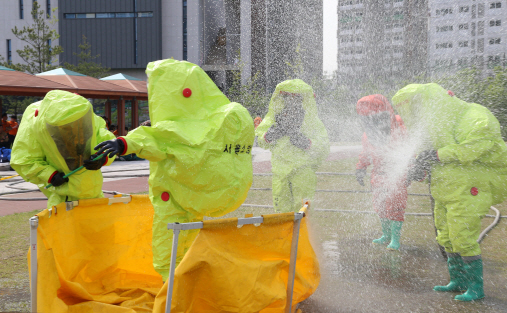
[473,275]
[456,272]
[386,232]
[395,235]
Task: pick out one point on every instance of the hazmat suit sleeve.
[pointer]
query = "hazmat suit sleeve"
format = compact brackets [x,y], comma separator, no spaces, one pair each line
[103,134]
[143,142]
[475,135]
[28,157]
[364,156]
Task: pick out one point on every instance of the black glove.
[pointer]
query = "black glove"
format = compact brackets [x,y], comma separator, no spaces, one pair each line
[360,174]
[301,141]
[111,147]
[94,165]
[422,165]
[274,133]
[58,179]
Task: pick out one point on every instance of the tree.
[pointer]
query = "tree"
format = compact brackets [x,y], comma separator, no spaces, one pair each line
[38,54]
[85,64]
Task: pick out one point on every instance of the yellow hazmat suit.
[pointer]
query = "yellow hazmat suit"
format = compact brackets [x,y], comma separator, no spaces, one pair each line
[294,167]
[468,174]
[199,147]
[56,135]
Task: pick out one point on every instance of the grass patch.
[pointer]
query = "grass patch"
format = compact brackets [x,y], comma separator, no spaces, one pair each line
[14,240]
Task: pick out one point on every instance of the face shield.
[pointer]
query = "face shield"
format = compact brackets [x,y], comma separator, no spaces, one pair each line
[377,128]
[293,114]
[73,140]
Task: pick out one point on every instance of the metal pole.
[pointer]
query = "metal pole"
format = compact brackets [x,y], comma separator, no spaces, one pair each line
[169,297]
[292,264]
[34,223]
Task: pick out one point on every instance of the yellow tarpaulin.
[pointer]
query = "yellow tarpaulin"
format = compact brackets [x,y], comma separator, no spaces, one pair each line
[97,258]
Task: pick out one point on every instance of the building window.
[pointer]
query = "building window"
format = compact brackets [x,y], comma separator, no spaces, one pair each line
[494,41]
[443,12]
[9,51]
[463,44]
[49,47]
[444,45]
[185,52]
[145,14]
[480,45]
[480,10]
[463,26]
[444,28]
[104,15]
[495,5]
[495,23]
[107,15]
[480,28]
[123,15]
[48,8]
[464,9]
[21,10]
[463,62]
[493,61]
[85,15]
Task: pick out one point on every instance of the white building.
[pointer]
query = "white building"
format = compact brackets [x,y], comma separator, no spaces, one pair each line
[18,14]
[381,40]
[466,33]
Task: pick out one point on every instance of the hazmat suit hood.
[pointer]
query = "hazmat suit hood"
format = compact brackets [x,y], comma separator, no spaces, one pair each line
[69,123]
[56,135]
[379,122]
[467,139]
[167,79]
[285,155]
[429,110]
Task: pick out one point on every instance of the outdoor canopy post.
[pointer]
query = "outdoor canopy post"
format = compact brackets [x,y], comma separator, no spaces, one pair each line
[34,223]
[177,227]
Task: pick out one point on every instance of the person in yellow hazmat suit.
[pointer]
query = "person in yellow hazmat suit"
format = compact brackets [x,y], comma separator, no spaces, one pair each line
[460,144]
[56,136]
[298,142]
[199,146]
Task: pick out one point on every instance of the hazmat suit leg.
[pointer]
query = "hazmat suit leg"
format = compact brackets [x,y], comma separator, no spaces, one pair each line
[440,212]
[303,182]
[289,190]
[162,238]
[282,193]
[459,226]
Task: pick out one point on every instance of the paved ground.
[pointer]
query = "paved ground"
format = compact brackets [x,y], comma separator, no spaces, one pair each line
[119,177]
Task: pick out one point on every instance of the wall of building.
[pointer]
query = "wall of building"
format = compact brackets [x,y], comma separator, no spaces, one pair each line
[467,33]
[10,18]
[381,41]
[122,42]
[172,29]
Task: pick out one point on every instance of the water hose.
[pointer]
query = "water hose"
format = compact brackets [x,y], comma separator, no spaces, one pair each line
[77,169]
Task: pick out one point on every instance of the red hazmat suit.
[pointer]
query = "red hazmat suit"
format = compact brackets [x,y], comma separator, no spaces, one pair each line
[389,197]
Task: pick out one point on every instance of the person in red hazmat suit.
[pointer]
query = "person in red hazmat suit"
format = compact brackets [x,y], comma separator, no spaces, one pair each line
[384,133]
[199,146]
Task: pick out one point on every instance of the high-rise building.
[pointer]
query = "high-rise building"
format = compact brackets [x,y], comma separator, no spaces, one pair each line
[222,36]
[467,33]
[381,41]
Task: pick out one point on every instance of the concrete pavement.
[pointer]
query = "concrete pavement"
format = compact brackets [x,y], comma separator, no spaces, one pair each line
[120,177]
